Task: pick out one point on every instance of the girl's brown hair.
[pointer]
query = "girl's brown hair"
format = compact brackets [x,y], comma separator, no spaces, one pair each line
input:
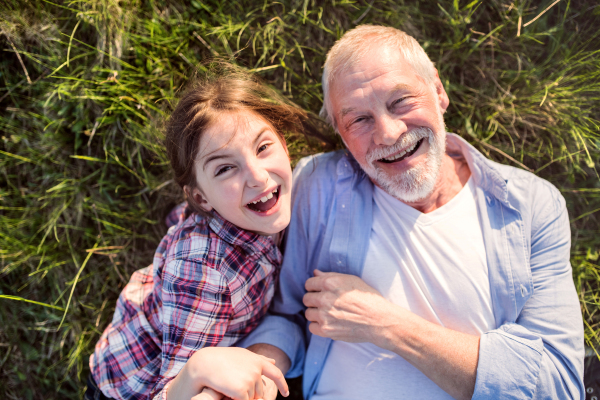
[223,88]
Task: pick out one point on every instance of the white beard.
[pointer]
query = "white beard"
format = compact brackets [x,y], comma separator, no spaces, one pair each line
[419,181]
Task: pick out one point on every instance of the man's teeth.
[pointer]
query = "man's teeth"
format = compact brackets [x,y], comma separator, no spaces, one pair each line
[401,154]
[265,198]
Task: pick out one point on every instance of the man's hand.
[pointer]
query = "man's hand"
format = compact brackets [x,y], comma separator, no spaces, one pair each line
[269,389]
[344,307]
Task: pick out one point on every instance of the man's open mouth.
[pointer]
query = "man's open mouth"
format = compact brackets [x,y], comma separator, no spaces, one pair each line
[265,203]
[403,154]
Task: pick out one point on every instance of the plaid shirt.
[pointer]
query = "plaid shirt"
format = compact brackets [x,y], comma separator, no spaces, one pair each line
[209,285]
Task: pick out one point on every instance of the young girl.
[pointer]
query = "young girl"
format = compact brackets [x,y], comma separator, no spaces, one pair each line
[213,274]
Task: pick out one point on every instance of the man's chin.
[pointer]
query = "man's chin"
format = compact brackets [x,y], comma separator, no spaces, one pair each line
[410,186]
[412,195]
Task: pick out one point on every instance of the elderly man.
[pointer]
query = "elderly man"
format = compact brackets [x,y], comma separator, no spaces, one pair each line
[424,270]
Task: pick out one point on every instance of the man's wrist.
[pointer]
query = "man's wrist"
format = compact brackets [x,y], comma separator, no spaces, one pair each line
[282,361]
[392,320]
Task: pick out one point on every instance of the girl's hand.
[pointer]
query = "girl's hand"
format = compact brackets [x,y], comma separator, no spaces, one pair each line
[269,392]
[232,371]
[208,394]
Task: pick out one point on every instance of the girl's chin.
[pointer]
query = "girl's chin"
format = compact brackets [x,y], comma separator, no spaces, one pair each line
[271,228]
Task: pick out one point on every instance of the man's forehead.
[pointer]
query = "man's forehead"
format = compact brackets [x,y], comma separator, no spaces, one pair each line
[374,61]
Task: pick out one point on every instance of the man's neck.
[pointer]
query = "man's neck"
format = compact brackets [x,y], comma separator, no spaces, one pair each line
[453,176]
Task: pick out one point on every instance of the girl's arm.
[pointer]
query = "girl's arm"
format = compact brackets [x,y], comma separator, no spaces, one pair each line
[196,311]
[234,372]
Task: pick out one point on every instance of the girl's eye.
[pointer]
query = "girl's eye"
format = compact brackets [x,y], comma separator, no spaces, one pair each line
[262,148]
[223,170]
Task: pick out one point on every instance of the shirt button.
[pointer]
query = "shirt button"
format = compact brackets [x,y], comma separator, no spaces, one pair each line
[343,206]
[490,201]
[523,291]
[339,262]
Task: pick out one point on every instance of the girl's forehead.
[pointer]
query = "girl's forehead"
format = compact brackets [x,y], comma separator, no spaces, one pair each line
[231,129]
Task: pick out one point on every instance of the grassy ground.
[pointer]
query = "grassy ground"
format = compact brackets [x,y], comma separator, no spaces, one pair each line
[85,86]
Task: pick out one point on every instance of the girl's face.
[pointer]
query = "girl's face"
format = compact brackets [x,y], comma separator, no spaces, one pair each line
[243,172]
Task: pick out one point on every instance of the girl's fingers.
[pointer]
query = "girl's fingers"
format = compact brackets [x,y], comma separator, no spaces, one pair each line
[208,394]
[272,372]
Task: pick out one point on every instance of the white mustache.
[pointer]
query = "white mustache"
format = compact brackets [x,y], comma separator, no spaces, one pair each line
[406,140]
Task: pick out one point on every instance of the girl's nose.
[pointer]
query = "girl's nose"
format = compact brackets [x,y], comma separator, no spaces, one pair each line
[257,175]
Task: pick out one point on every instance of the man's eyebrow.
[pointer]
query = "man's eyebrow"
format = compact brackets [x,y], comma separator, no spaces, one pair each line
[346,111]
[401,86]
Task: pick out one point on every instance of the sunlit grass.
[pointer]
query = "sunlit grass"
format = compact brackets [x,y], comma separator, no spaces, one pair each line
[85,184]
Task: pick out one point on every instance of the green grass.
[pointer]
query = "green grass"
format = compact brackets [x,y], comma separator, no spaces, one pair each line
[85,87]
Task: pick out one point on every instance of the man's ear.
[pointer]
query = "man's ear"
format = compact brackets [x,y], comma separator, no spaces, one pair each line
[195,195]
[441,92]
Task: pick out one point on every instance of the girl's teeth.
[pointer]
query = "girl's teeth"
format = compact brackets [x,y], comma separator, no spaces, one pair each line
[265,198]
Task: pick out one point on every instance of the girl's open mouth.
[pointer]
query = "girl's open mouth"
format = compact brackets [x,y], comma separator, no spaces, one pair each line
[265,203]
[402,155]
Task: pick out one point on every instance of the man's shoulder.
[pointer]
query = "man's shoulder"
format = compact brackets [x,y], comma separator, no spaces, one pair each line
[319,168]
[525,189]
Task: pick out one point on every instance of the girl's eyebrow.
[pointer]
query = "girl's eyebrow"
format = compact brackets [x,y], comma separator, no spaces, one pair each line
[212,158]
[219,156]
[260,133]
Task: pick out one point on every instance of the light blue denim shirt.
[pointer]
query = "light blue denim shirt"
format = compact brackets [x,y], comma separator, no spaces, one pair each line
[537,349]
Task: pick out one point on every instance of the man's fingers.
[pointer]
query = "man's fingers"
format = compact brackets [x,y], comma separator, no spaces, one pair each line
[208,394]
[311,299]
[275,374]
[314,284]
[259,390]
[271,360]
[315,329]
[311,314]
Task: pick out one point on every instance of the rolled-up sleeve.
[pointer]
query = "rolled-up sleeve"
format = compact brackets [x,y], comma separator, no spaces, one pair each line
[540,355]
[282,332]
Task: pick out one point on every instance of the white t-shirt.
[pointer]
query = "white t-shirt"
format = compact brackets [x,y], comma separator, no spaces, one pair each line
[431,264]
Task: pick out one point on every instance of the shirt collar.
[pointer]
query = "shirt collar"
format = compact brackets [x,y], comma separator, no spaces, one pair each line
[484,173]
[250,242]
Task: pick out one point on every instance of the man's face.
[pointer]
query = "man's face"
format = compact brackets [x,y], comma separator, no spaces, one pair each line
[392,122]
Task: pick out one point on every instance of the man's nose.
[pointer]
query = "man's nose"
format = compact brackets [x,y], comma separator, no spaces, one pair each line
[388,130]
[257,175]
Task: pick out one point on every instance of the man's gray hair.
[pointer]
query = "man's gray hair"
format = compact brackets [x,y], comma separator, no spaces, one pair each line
[353,45]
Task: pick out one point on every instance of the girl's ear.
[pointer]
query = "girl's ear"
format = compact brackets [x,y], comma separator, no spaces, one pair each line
[195,195]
